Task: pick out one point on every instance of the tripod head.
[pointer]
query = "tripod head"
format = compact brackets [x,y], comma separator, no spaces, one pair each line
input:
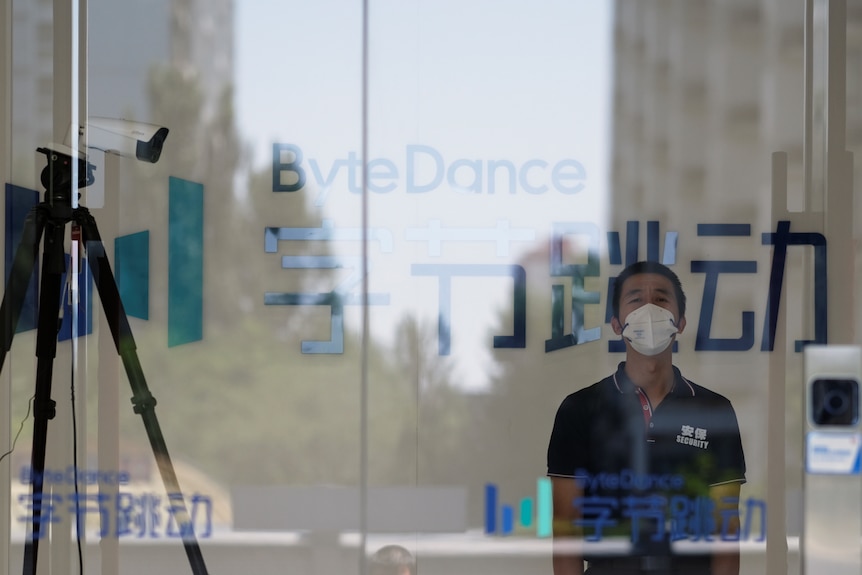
[58,175]
[139,140]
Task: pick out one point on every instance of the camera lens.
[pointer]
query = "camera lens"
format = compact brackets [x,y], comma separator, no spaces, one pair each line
[835,402]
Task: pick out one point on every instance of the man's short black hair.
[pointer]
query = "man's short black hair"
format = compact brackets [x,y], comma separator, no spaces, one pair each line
[391,560]
[647,268]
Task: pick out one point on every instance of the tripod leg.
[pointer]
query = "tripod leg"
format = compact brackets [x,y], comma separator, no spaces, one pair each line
[19,279]
[53,266]
[143,401]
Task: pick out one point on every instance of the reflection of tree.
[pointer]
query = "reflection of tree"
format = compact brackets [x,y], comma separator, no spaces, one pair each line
[432,438]
[245,404]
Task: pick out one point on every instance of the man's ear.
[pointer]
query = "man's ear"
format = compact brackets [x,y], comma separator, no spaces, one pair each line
[617,326]
[681,325]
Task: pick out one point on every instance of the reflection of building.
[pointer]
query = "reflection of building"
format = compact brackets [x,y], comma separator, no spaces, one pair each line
[117,79]
[705,92]
[32,59]
[196,35]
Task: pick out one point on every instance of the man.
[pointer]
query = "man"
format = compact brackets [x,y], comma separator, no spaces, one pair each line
[645,453]
[392,560]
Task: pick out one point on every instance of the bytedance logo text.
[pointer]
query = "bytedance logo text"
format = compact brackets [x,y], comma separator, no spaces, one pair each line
[425,170]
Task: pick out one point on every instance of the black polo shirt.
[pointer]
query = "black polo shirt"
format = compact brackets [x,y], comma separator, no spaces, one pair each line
[633,461]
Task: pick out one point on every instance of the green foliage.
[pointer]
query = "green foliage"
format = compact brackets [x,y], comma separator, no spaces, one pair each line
[244,404]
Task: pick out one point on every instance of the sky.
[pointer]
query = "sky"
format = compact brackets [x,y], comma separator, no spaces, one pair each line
[481,115]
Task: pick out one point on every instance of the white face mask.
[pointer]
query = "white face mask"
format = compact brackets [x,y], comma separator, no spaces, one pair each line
[650,329]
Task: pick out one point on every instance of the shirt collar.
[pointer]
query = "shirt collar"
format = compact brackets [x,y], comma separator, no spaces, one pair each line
[681,386]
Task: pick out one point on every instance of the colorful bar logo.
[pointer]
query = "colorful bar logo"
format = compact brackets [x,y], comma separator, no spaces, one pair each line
[131,265]
[533,514]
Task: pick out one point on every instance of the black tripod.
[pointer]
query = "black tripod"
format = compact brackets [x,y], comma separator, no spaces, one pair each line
[50,218]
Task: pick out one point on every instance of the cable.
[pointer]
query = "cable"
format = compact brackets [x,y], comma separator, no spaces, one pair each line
[20,428]
[75,474]
[69,291]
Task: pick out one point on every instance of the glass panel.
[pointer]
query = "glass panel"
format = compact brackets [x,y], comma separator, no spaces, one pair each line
[370,279]
[488,193]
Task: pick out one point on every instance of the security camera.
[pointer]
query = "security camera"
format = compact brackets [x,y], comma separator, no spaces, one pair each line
[832,384]
[133,139]
[834,401]
[832,387]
